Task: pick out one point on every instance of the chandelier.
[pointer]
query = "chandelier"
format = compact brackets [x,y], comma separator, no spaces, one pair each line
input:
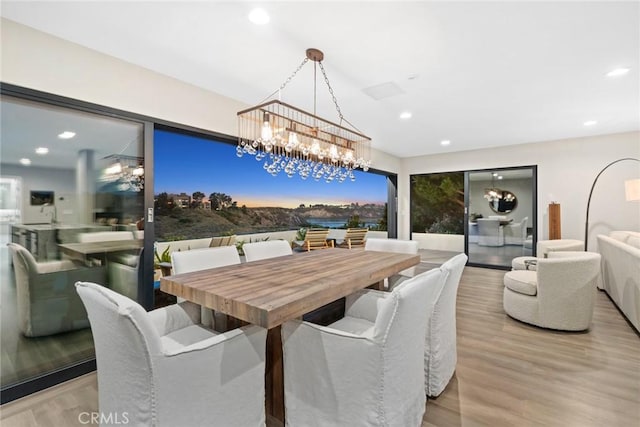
[293,141]
[124,173]
[494,194]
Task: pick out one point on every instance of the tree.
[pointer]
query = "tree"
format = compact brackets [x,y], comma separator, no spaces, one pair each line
[196,199]
[220,201]
[354,222]
[382,222]
[164,203]
[437,203]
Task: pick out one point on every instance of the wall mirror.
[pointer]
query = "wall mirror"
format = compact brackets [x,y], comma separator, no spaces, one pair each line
[504,202]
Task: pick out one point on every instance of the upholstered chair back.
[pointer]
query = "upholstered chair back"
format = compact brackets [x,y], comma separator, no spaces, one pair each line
[394,245]
[47,302]
[400,327]
[567,285]
[543,247]
[163,368]
[490,232]
[202,259]
[441,351]
[123,336]
[268,249]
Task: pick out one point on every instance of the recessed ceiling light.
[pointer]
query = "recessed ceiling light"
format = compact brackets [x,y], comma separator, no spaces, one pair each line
[499,176]
[66,135]
[445,142]
[494,174]
[259,16]
[590,123]
[25,162]
[405,115]
[42,150]
[618,72]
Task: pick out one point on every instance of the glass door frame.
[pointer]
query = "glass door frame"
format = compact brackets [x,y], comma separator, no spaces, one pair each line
[534,219]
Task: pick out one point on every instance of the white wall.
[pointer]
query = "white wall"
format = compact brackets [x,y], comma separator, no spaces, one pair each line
[566,170]
[61,181]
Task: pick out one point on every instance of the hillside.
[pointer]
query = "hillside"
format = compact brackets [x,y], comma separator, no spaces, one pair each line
[185,223]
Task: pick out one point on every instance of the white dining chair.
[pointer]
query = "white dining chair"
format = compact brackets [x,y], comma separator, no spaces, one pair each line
[490,232]
[202,259]
[396,246]
[268,249]
[441,354]
[366,369]
[164,368]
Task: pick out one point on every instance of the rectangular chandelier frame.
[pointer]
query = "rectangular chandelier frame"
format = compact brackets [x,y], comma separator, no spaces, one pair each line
[314,136]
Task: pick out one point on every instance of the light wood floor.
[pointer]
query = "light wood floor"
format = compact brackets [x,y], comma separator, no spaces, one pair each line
[508,373]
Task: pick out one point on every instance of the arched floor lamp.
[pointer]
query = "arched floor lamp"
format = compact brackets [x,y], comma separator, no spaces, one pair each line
[632,192]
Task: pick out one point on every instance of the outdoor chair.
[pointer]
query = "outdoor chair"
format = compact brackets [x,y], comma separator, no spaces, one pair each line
[354,238]
[316,238]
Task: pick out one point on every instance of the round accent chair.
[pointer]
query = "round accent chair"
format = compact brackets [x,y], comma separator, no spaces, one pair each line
[559,295]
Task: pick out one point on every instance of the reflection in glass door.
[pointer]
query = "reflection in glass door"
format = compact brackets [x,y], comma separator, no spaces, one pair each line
[67,176]
[501,215]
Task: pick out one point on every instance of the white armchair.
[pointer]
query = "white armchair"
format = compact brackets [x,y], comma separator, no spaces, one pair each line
[268,249]
[441,353]
[367,368]
[397,246]
[516,234]
[490,232]
[163,368]
[559,295]
[47,301]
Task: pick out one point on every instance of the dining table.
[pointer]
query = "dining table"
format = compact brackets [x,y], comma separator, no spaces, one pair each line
[272,291]
[84,250]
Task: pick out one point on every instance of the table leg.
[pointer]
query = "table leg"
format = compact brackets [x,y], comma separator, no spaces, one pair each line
[379,286]
[274,378]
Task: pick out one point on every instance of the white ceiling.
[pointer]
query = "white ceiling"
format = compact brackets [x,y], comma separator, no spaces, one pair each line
[480,74]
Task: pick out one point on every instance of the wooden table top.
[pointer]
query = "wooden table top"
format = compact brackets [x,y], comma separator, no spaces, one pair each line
[89,248]
[270,292]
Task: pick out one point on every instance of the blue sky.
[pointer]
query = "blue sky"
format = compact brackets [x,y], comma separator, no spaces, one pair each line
[187,164]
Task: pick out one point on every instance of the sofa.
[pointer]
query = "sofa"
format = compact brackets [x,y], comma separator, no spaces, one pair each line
[620,252]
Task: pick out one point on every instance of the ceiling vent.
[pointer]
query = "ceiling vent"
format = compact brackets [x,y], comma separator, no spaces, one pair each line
[383,90]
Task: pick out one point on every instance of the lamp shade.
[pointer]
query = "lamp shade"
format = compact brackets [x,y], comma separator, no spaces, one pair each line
[632,189]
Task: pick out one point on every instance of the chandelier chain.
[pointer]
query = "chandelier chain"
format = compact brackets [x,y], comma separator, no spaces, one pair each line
[333,96]
[286,82]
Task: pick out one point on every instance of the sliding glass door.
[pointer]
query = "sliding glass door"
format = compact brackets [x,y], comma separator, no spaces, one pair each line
[65,173]
[500,215]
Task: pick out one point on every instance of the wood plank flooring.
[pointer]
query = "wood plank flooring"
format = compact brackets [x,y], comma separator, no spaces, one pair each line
[508,373]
